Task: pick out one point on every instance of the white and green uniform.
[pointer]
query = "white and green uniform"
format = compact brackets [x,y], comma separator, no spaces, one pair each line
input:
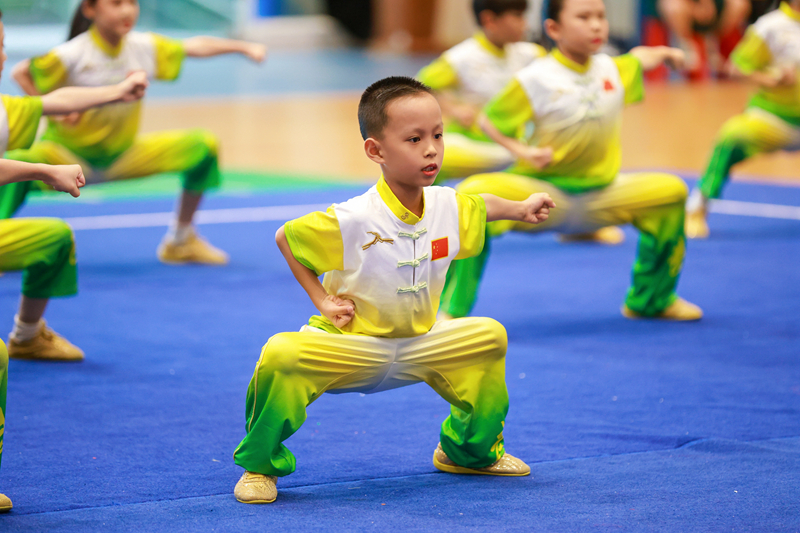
[105,141]
[772,119]
[577,111]
[474,71]
[393,265]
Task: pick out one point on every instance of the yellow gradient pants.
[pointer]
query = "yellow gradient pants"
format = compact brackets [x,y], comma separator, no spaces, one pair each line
[755,131]
[45,249]
[192,152]
[462,360]
[652,202]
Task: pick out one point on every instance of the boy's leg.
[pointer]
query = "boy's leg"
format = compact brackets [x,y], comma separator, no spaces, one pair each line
[463,360]
[194,153]
[467,157]
[45,250]
[294,370]
[464,276]
[654,204]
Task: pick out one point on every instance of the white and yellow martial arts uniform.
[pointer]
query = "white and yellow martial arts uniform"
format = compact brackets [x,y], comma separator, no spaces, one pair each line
[577,111]
[392,264]
[474,71]
[772,119]
[105,140]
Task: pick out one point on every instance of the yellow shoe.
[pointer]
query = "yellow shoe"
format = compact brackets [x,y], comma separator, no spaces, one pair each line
[5,504]
[256,488]
[609,235]
[194,249]
[680,309]
[508,465]
[696,226]
[47,345]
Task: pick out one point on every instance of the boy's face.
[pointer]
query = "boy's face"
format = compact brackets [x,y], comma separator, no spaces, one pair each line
[114,16]
[410,148]
[3,56]
[508,27]
[582,26]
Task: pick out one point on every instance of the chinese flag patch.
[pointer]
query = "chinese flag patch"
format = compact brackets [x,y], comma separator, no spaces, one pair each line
[608,86]
[439,249]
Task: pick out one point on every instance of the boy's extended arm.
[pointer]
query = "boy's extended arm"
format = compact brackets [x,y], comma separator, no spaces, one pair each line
[769,78]
[462,112]
[654,56]
[22,75]
[533,210]
[537,156]
[204,46]
[337,310]
[63,178]
[70,99]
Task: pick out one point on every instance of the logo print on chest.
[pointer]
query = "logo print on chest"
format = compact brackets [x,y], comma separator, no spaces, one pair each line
[376,240]
[439,249]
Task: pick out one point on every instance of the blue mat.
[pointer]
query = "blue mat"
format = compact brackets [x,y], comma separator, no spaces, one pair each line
[628,425]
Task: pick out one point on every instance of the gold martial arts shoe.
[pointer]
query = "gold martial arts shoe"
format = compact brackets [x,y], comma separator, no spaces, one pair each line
[508,465]
[696,226]
[680,310]
[47,345]
[256,488]
[609,235]
[5,504]
[194,250]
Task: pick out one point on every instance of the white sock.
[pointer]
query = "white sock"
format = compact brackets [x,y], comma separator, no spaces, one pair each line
[23,331]
[179,233]
[696,201]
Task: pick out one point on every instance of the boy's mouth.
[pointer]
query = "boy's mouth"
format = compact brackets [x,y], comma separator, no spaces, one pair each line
[431,170]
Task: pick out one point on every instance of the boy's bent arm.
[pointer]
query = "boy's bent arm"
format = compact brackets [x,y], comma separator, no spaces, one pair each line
[537,156]
[533,210]
[63,178]
[654,56]
[22,75]
[205,46]
[337,310]
[71,99]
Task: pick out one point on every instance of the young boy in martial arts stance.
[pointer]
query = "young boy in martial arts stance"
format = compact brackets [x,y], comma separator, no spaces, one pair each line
[385,255]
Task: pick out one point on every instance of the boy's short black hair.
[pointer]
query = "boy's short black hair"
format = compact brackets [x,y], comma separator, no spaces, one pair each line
[498,7]
[372,117]
[553,9]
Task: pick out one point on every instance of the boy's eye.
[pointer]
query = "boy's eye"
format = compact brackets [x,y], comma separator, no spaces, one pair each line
[438,136]
[415,139]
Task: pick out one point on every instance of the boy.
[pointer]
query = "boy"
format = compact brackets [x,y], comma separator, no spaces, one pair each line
[468,75]
[574,98]
[768,55]
[385,255]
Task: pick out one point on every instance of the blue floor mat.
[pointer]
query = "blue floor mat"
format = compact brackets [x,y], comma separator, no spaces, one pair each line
[631,425]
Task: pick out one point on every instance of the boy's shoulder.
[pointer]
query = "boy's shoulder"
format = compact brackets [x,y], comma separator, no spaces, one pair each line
[774,21]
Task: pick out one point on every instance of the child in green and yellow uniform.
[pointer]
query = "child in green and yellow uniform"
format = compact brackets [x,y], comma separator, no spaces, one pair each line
[102,49]
[769,55]
[468,75]
[385,256]
[575,98]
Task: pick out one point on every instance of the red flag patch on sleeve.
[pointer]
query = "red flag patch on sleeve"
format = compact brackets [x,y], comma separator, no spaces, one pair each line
[439,249]
[608,86]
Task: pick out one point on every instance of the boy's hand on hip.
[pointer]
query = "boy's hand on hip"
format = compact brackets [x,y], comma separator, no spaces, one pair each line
[537,208]
[338,310]
[134,86]
[66,178]
[538,157]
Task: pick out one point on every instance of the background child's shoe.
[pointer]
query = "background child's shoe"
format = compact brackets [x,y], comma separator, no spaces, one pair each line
[680,310]
[696,226]
[194,249]
[609,235]
[256,488]
[508,465]
[5,504]
[47,345]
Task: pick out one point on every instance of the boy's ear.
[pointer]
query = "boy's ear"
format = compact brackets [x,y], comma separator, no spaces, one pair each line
[372,147]
[552,29]
[88,10]
[486,17]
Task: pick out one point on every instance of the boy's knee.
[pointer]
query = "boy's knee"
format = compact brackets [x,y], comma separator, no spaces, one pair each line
[63,232]
[280,354]
[207,140]
[670,188]
[494,332]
